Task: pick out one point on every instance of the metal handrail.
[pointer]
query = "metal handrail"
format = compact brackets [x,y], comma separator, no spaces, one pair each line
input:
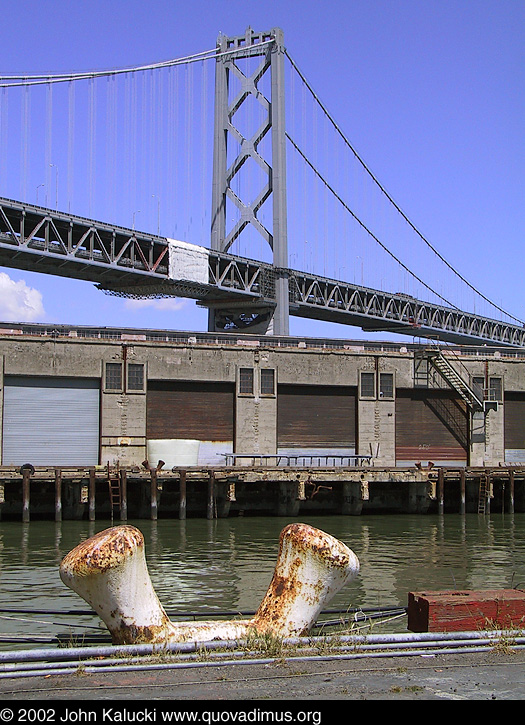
[293,459]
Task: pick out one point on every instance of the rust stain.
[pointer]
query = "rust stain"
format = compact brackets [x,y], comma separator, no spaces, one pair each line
[102,551]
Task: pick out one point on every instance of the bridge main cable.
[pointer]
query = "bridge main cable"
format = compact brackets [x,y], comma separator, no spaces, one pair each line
[13,81]
[391,199]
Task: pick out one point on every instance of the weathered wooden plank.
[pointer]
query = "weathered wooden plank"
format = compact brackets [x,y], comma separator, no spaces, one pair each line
[466,610]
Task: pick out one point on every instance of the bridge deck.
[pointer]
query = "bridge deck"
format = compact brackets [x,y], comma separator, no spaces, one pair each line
[130,263]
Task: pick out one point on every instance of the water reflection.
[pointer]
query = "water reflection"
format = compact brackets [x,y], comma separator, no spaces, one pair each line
[227,564]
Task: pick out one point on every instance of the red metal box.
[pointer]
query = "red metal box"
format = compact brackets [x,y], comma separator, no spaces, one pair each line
[466,611]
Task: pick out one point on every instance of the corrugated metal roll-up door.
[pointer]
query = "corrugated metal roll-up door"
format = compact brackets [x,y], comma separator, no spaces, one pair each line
[514,415]
[50,421]
[316,420]
[202,411]
[431,425]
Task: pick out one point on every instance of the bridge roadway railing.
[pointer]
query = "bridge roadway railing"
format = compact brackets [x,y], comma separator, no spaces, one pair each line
[130,263]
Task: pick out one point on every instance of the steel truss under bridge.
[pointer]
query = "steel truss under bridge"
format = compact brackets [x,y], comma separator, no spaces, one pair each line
[129,263]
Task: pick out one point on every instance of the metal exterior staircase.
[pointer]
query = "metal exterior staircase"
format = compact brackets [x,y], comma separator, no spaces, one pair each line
[456,381]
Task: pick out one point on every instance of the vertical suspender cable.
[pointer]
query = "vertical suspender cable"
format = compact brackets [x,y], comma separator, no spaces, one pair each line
[135,210]
[48,139]
[204,175]
[111,145]
[25,132]
[70,143]
[189,144]
[92,141]
[144,140]
[292,175]
[4,119]
[174,139]
[305,182]
[159,114]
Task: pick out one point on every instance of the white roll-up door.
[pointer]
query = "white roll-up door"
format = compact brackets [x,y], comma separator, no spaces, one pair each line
[50,421]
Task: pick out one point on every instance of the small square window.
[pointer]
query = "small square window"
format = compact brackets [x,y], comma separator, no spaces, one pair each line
[135,377]
[267,382]
[368,385]
[113,376]
[386,385]
[246,381]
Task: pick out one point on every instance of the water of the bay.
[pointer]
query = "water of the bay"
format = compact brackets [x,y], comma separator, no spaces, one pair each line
[226,564]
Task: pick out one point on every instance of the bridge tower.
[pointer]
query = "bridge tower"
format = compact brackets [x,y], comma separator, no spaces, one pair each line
[272,316]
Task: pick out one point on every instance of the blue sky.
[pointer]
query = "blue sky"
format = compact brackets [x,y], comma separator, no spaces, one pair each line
[430,92]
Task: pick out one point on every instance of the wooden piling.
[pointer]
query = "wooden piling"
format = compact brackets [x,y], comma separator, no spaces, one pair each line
[462,492]
[182,496]
[153,507]
[26,495]
[91,494]
[441,491]
[58,494]
[123,495]
[511,492]
[210,513]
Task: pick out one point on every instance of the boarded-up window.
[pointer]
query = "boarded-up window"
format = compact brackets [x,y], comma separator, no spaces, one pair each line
[310,416]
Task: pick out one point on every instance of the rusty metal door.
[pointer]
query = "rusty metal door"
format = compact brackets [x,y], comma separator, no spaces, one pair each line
[514,416]
[431,425]
[316,418]
[202,411]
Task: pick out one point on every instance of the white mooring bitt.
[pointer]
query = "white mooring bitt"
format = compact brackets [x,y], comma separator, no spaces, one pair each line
[109,571]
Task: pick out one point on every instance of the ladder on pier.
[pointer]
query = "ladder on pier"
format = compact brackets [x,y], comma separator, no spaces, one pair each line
[484,490]
[115,489]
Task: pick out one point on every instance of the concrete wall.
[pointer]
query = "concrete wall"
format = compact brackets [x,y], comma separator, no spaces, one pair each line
[123,415]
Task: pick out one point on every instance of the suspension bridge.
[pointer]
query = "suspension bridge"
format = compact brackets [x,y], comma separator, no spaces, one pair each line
[283,218]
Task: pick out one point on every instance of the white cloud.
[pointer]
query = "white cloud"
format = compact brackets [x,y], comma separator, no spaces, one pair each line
[18,302]
[168,304]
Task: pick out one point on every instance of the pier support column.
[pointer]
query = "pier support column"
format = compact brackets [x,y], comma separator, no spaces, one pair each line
[26,494]
[287,501]
[511,492]
[58,494]
[352,503]
[462,492]
[91,494]
[418,499]
[182,496]
[153,495]
[211,508]
[225,495]
[441,491]
[123,495]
